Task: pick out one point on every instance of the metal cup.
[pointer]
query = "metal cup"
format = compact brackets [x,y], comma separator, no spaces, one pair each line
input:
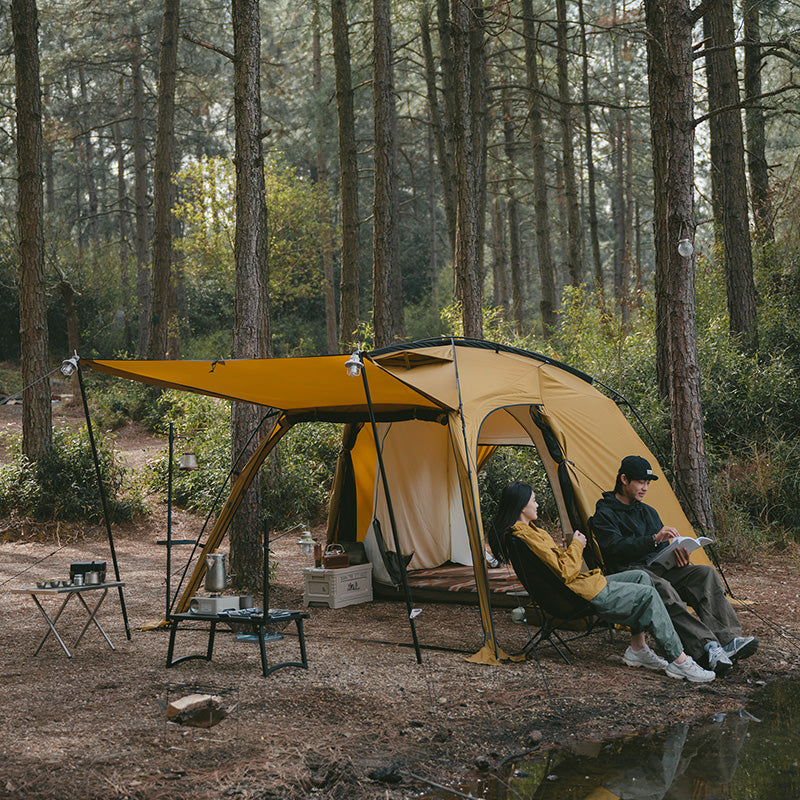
[77,580]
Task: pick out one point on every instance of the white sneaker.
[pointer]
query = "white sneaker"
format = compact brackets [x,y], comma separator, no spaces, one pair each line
[644,658]
[690,670]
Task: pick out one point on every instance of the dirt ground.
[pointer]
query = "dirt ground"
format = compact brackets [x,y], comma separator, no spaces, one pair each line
[364,721]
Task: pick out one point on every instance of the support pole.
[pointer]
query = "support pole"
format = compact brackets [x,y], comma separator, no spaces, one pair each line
[401,565]
[103,501]
[169,519]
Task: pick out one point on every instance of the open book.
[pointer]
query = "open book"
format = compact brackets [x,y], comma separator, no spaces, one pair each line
[666,555]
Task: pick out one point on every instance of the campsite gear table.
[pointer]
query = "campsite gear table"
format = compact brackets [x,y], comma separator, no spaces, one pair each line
[257,622]
[70,592]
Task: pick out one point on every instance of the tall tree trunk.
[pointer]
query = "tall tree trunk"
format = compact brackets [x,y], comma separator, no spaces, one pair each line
[142,233]
[573,259]
[163,187]
[251,315]
[670,79]
[469,134]
[441,123]
[88,167]
[727,170]
[123,226]
[434,265]
[541,210]
[348,180]
[514,233]
[760,197]
[386,312]
[324,207]
[594,233]
[36,410]
[499,257]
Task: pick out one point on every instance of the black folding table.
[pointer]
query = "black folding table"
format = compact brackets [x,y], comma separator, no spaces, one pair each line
[258,624]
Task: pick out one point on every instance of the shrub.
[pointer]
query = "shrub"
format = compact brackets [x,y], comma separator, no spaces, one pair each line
[62,485]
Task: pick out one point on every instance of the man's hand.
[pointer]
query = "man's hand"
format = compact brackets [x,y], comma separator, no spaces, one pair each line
[580,537]
[681,557]
[665,534]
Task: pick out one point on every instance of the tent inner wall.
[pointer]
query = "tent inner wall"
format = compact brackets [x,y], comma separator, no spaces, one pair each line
[424,483]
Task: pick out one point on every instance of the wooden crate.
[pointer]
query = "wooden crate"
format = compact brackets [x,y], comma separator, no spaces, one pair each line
[336,588]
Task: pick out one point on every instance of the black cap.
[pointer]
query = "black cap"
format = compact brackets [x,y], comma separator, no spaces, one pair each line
[636,468]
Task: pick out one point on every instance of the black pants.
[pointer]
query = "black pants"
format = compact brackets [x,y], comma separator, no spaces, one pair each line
[700,587]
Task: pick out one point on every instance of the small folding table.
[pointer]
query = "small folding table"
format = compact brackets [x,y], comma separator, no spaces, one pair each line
[69,592]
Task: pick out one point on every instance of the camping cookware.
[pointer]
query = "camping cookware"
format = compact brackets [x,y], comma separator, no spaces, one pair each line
[216,580]
[335,557]
[91,578]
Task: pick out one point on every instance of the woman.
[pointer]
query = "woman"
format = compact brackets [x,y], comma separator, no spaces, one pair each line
[628,598]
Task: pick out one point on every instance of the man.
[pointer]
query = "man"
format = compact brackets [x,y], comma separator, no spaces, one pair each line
[630,533]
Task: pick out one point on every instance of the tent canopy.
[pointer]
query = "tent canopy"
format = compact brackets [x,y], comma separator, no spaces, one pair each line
[437,404]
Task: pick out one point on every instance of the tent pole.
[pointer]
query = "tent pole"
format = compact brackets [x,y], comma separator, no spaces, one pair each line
[479,563]
[400,562]
[103,500]
[169,516]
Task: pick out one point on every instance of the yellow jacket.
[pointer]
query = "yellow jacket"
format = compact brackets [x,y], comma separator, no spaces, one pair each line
[566,562]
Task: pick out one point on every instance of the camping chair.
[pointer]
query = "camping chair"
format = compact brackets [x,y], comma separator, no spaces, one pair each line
[556,603]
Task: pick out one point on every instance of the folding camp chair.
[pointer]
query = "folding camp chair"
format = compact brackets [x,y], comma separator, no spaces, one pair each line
[556,603]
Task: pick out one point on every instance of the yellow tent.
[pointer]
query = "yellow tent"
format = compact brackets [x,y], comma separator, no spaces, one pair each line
[436,406]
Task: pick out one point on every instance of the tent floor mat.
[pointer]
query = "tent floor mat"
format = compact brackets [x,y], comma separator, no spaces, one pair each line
[456,584]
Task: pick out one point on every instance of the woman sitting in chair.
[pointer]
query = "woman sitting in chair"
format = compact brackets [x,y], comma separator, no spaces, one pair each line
[627,598]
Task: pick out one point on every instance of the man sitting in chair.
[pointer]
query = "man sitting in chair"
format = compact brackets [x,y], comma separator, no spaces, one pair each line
[629,532]
[627,598]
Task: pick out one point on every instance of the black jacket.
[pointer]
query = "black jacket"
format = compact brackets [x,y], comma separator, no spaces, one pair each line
[624,533]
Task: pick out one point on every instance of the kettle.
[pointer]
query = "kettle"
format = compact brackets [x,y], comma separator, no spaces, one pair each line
[216,581]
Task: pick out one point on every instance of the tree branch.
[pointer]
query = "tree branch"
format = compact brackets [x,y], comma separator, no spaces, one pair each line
[212,47]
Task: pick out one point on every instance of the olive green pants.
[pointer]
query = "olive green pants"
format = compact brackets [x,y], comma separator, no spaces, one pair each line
[629,598]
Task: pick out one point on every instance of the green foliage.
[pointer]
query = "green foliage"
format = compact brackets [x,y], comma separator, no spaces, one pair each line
[297,482]
[515,464]
[294,240]
[117,401]
[62,485]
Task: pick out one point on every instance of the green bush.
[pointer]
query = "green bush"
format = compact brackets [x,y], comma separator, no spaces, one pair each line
[296,482]
[62,485]
[515,464]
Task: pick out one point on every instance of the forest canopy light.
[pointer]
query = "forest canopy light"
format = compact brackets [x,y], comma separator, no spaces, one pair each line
[353,365]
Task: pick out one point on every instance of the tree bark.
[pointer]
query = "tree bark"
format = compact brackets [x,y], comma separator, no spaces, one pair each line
[469,134]
[36,408]
[163,187]
[251,316]
[669,66]
[142,234]
[541,211]
[348,180]
[594,233]
[441,123]
[514,233]
[760,197]
[324,208]
[728,172]
[386,311]
[573,254]
[499,257]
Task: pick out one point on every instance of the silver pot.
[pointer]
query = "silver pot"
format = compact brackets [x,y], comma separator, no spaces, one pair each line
[216,579]
[92,578]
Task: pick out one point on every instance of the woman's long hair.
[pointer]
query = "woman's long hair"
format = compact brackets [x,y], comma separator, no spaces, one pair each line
[512,500]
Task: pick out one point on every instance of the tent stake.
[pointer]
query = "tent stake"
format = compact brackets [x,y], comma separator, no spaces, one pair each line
[103,502]
[400,562]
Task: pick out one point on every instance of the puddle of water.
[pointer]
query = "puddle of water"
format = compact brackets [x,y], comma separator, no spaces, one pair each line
[748,755]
